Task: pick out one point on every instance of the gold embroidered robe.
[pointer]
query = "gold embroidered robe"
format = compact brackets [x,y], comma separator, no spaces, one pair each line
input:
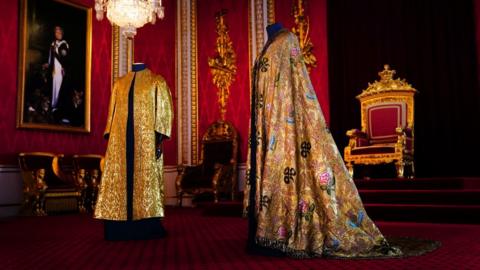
[152,113]
[306,203]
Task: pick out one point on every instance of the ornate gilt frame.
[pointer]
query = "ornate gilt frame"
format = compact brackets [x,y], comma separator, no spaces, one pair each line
[23,43]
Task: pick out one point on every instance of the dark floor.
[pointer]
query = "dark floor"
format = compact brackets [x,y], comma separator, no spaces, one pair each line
[198,241]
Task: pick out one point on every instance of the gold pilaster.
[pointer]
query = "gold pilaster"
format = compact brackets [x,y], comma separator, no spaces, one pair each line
[194,80]
[115,53]
[259,25]
[271,11]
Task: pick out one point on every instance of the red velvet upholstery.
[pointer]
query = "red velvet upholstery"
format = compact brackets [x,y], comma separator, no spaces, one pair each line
[384,118]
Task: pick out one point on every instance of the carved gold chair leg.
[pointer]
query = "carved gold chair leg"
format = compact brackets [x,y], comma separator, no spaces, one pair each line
[93,196]
[412,167]
[215,181]
[233,187]
[82,188]
[179,198]
[40,205]
[400,166]
[350,168]
[215,195]
[178,185]
[40,188]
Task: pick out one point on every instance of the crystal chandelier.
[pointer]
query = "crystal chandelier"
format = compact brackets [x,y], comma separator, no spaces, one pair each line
[130,14]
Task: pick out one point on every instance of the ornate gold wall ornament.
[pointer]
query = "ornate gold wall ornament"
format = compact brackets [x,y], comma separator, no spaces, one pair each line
[302,30]
[386,83]
[223,65]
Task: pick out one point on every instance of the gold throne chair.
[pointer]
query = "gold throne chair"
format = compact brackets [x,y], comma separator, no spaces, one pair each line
[217,170]
[387,120]
[46,188]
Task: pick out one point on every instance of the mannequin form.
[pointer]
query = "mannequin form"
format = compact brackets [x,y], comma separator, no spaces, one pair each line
[273,29]
[314,210]
[131,194]
[138,67]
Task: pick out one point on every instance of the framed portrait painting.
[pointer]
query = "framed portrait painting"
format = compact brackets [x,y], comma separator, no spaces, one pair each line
[54,65]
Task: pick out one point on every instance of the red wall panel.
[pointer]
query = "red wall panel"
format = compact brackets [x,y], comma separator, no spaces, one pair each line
[13,140]
[155,46]
[317,12]
[238,107]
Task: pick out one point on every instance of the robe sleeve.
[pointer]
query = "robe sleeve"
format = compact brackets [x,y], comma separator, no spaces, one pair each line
[111,111]
[163,109]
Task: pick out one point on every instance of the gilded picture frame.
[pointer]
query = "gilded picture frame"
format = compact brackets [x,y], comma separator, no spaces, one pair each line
[54,70]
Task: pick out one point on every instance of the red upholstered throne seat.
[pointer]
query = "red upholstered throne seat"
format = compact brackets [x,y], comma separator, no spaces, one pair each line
[387,108]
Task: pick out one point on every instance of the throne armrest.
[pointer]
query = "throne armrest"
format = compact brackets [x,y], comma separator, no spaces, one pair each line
[404,131]
[357,138]
[187,170]
[356,133]
[405,139]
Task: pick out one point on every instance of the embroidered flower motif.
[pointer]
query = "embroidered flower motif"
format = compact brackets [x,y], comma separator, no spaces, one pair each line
[303,206]
[325,178]
[294,52]
[282,232]
[305,210]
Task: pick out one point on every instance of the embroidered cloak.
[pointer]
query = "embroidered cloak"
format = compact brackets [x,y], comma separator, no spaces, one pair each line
[299,194]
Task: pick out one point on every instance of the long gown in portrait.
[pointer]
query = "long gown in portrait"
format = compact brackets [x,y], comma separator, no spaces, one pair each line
[299,196]
[131,194]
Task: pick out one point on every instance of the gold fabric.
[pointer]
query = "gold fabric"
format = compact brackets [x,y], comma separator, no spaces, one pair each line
[307,205]
[153,112]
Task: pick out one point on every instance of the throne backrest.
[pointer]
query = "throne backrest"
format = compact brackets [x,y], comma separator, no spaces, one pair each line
[383,119]
[219,145]
[386,105]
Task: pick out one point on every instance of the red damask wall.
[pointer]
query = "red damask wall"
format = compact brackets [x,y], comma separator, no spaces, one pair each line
[316,10]
[14,140]
[238,111]
[155,46]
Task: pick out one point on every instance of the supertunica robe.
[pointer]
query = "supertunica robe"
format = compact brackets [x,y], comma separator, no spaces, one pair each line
[132,186]
[299,195]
